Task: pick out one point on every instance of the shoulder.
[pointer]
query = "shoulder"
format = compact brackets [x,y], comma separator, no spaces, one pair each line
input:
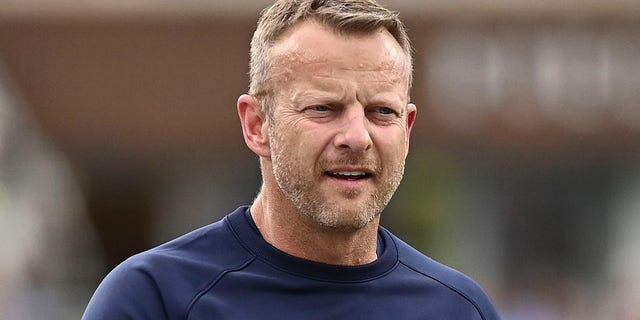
[167,278]
[449,279]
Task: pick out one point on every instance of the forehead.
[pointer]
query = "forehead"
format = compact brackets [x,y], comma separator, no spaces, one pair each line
[310,47]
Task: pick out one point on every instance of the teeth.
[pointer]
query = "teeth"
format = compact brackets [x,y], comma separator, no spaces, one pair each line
[349,173]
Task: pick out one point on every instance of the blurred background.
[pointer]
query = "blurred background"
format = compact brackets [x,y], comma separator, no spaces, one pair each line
[118,131]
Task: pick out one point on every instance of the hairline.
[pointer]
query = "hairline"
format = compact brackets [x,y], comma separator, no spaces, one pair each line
[266,94]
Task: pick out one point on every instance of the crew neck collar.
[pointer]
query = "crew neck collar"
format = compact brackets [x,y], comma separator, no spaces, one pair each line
[247,232]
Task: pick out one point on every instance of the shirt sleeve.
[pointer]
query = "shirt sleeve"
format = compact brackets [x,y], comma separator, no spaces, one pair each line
[128,292]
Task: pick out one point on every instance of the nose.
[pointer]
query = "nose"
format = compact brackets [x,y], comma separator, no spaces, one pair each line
[354,132]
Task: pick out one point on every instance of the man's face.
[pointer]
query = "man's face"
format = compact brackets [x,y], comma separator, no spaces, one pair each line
[341,123]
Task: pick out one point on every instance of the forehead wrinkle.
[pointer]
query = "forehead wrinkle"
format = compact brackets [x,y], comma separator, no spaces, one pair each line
[295,47]
[295,62]
[385,73]
[301,56]
[335,87]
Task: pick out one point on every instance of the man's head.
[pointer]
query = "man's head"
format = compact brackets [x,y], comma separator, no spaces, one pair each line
[334,137]
[348,17]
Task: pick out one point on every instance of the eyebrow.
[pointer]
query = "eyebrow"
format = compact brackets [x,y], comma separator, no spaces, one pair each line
[315,95]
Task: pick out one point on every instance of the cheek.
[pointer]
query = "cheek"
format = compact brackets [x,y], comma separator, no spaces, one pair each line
[314,140]
[299,146]
[392,145]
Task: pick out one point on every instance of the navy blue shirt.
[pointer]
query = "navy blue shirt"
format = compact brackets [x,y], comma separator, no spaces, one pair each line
[226,270]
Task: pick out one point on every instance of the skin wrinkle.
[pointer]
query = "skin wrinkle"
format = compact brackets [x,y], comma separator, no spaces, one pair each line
[366,99]
[284,63]
[329,95]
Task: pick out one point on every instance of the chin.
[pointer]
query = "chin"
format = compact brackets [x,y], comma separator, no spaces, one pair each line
[342,220]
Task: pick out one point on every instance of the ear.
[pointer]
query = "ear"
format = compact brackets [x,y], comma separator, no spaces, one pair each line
[411,119]
[254,125]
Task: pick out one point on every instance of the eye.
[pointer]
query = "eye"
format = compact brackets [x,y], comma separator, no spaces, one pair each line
[320,108]
[384,110]
[319,111]
[383,115]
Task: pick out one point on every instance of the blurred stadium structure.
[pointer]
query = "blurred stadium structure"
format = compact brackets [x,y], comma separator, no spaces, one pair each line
[524,170]
[49,251]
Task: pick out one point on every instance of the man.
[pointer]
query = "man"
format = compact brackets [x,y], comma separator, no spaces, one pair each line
[328,115]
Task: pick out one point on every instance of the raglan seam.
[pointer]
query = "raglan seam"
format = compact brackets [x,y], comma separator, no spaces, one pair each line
[452,288]
[155,284]
[208,287]
[227,223]
[223,273]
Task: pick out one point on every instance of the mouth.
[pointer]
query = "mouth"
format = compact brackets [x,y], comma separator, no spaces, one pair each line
[348,175]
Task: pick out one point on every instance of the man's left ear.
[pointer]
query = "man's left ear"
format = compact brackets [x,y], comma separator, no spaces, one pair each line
[411,119]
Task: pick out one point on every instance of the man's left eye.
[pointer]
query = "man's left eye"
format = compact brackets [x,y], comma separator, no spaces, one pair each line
[385,110]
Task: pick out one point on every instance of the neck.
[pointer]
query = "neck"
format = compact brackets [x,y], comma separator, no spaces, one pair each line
[282,226]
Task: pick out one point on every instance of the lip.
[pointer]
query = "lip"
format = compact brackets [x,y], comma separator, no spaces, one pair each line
[350,172]
[351,169]
[350,177]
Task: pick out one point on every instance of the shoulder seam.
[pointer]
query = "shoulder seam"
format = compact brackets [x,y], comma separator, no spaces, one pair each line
[452,288]
[227,223]
[223,273]
[214,282]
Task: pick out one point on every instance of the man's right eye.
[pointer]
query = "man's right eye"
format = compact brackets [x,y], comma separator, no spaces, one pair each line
[320,107]
[320,111]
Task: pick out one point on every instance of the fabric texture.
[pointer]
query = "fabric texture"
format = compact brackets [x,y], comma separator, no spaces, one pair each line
[226,270]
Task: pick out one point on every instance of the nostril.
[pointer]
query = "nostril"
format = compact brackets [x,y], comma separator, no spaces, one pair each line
[355,138]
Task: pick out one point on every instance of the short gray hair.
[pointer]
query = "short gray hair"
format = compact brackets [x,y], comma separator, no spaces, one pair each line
[345,16]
